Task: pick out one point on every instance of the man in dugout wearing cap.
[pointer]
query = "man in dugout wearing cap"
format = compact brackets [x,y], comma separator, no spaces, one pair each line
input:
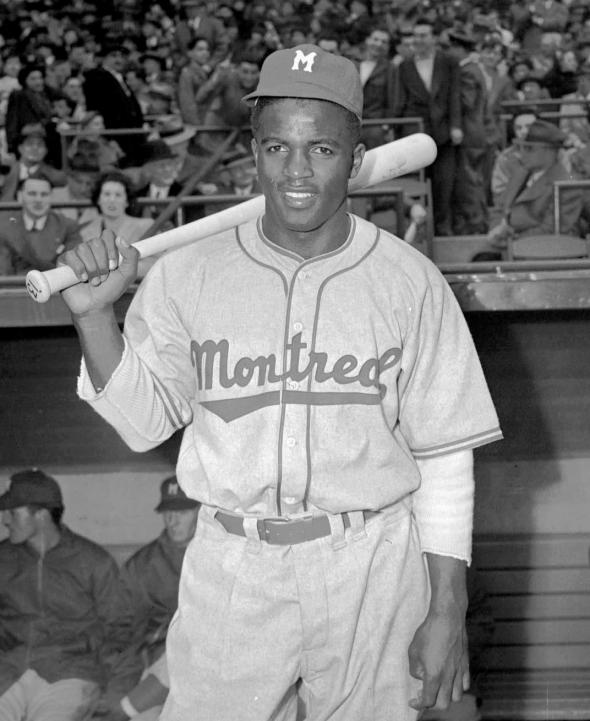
[528,200]
[149,583]
[58,595]
[330,396]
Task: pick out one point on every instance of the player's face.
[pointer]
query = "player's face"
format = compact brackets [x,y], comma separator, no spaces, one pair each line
[305,155]
[180,525]
[21,524]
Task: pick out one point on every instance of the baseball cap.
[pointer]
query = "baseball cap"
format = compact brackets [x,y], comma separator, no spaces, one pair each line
[307,71]
[173,498]
[31,486]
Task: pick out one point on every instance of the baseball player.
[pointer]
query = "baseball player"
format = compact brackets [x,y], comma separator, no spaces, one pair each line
[330,396]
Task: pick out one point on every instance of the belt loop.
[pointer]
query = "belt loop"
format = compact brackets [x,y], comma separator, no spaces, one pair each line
[254,543]
[357,525]
[337,528]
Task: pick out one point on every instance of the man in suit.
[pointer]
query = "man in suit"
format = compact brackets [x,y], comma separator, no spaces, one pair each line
[34,237]
[377,76]
[32,151]
[108,94]
[428,87]
[528,200]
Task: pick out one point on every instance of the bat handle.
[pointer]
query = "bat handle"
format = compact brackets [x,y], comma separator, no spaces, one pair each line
[42,285]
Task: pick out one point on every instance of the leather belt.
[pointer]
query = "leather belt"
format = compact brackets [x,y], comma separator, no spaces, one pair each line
[285,531]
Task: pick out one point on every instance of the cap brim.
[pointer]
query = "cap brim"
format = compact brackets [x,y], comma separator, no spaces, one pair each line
[306,91]
[179,504]
[6,502]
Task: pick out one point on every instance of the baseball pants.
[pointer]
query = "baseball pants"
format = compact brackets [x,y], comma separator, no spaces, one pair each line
[31,698]
[337,613]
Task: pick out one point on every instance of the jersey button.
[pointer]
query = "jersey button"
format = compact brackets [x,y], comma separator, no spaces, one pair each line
[291,442]
[292,385]
[290,500]
[298,326]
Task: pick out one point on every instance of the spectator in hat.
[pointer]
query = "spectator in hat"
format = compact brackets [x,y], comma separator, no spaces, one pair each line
[31,153]
[149,591]
[428,87]
[158,177]
[35,236]
[470,214]
[58,604]
[109,95]
[31,105]
[528,200]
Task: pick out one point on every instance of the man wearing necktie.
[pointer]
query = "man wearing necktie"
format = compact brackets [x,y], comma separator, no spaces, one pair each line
[34,237]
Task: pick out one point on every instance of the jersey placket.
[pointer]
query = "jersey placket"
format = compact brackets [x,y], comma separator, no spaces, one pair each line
[294,452]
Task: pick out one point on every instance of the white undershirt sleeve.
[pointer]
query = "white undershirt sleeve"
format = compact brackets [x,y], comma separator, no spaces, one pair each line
[443,505]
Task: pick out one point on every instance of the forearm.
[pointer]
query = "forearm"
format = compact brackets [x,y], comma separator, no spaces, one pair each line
[102,344]
[448,583]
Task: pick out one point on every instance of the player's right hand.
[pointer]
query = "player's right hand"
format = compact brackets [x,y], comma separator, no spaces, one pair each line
[105,267]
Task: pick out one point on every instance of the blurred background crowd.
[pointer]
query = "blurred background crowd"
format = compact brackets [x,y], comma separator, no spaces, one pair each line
[165,77]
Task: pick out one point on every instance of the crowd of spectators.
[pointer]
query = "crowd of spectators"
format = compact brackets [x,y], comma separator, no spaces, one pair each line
[173,72]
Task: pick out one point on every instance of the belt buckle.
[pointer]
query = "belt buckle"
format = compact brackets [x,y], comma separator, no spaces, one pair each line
[285,531]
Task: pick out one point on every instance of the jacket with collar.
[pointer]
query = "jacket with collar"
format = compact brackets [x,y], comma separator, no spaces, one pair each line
[439,108]
[57,612]
[22,250]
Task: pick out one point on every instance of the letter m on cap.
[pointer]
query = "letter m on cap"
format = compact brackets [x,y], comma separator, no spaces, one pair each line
[306,60]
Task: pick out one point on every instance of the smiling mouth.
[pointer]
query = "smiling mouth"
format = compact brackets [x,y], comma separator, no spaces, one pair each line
[298,196]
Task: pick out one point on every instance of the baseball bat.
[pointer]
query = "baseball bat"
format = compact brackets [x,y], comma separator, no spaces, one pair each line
[385,162]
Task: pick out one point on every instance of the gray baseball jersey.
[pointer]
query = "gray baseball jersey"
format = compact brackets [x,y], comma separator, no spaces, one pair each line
[301,384]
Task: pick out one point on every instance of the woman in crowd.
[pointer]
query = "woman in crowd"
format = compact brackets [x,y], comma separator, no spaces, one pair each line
[113,196]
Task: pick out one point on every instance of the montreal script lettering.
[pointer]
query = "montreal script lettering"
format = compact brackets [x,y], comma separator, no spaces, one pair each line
[210,359]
